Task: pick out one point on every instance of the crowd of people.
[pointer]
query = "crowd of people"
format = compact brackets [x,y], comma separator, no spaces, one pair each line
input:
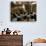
[24,17]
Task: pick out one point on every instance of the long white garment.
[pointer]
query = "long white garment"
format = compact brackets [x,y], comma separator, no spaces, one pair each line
[39,44]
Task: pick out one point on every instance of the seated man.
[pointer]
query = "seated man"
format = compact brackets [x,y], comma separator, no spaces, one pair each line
[8,31]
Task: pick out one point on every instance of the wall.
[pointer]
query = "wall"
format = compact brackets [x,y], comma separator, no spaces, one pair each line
[11,40]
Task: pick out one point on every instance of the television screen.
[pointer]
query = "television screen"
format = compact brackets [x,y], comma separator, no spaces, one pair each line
[23,11]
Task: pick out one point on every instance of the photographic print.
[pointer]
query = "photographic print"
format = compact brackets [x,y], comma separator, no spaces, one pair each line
[23,11]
